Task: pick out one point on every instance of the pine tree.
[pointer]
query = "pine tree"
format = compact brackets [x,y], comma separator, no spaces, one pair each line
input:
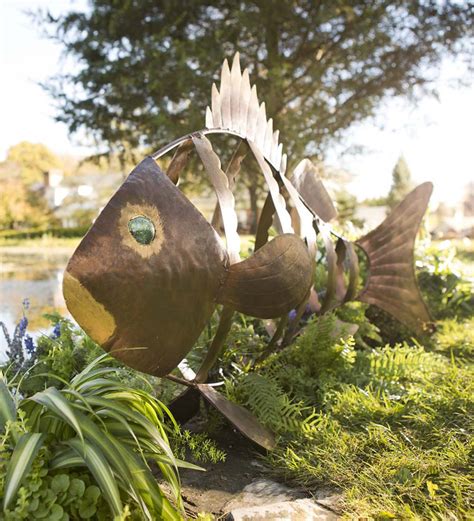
[401,183]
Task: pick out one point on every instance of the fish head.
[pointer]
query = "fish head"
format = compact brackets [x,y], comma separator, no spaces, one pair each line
[142,283]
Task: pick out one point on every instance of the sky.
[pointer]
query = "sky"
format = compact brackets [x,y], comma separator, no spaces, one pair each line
[436,137]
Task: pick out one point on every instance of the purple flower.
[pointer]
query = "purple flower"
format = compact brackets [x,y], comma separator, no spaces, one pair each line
[22,326]
[26,303]
[29,345]
[292,314]
[56,331]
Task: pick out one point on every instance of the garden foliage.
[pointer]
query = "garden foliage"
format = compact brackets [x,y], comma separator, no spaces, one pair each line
[83,451]
[388,426]
[382,417]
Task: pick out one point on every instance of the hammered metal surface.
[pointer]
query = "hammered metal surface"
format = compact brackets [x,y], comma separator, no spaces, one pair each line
[346,255]
[392,282]
[245,422]
[220,182]
[160,303]
[308,183]
[236,108]
[273,281]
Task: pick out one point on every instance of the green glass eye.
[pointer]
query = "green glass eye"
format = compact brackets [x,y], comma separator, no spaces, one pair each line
[142,229]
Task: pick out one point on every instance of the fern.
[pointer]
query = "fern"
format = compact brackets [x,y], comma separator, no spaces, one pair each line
[285,388]
[367,333]
[271,404]
[389,366]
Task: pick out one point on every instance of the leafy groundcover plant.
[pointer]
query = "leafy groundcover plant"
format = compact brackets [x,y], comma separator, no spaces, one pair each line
[391,428]
[83,451]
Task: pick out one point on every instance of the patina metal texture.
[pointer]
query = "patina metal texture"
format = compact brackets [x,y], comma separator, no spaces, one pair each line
[149,274]
[308,183]
[245,422]
[391,284]
[159,303]
[346,253]
[273,281]
[225,197]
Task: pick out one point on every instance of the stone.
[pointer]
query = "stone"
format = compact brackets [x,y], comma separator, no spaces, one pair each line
[262,492]
[296,510]
[264,499]
[328,497]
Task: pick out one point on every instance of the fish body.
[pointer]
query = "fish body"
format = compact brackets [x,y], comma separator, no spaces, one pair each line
[146,303]
[148,275]
[146,298]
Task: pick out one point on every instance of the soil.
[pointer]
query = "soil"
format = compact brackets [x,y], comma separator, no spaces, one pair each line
[210,491]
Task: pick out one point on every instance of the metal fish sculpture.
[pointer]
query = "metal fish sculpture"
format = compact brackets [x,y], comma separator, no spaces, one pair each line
[150,272]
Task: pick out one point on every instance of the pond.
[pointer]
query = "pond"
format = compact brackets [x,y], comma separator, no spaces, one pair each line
[36,275]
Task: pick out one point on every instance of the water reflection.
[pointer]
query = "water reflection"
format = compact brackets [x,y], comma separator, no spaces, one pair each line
[36,275]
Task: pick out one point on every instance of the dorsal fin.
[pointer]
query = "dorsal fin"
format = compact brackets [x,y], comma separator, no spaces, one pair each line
[309,184]
[235,107]
[391,283]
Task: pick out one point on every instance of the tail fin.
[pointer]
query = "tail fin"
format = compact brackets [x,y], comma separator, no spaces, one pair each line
[391,283]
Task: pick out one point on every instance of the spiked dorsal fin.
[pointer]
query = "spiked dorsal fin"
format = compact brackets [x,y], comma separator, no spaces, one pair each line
[309,184]
[235,108]
[392,284]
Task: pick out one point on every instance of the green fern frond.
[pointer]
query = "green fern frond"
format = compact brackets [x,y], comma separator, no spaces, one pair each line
[271,404]
[394,364]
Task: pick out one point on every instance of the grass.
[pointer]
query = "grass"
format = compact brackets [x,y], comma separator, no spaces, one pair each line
[396,441]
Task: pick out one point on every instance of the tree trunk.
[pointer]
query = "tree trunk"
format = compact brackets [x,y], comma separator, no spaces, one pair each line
[252,188]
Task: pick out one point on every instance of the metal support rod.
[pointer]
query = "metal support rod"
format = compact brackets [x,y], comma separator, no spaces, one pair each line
[178,380]
[225,324]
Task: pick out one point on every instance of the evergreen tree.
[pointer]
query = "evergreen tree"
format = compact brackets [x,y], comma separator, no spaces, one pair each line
[146,68]
[401,183]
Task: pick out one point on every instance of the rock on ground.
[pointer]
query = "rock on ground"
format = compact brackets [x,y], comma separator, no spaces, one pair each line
[297,510]
[264,499]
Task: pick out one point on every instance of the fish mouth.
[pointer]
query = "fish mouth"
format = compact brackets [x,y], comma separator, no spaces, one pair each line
[91,315]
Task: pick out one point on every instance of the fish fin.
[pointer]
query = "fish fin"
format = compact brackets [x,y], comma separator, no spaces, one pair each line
[179,160]
[235,107]
[311,188]
[391,283]
[272,282]
[241,418]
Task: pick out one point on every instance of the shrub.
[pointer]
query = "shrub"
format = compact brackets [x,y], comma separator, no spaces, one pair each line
[444,287]
[34,233]
[83,450]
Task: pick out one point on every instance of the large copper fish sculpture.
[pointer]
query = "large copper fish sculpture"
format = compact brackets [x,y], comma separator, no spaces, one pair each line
[150,272]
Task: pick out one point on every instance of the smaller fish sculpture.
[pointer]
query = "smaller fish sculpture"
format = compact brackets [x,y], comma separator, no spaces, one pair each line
[150,272]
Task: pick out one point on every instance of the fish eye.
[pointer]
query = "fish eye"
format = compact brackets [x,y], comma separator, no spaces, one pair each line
[142,229]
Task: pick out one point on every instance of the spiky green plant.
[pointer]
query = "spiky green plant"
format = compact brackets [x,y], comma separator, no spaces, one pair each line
[98,424]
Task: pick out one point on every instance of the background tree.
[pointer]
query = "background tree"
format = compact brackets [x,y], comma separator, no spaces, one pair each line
[145,68]
[20,206]
[33,161]
[402,183]
[22,201]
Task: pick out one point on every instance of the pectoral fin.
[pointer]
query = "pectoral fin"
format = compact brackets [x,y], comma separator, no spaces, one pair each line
[245,421]
[273,281]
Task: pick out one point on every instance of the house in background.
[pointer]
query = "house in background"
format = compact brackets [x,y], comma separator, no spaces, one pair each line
[456,221]
[77,200]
